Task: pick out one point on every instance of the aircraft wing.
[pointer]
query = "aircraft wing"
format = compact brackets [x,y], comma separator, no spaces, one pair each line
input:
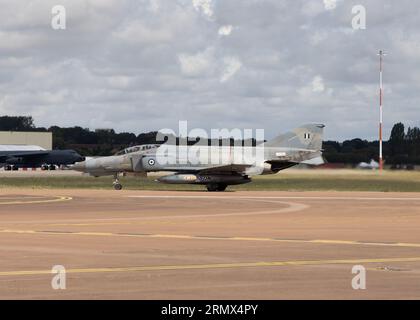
[238,168]
[224,169]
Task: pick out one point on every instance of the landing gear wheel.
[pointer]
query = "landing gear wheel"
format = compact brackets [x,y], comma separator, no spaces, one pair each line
[118,186]
[213,187]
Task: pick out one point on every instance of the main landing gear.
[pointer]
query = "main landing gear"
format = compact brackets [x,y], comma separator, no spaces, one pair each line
[117,185]
[46,167]
[214,187]
[10,167]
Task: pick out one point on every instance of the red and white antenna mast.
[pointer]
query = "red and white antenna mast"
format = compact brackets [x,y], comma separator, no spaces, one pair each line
[381,92]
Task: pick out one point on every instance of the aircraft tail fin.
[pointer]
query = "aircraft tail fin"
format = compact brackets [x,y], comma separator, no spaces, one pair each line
[308,136]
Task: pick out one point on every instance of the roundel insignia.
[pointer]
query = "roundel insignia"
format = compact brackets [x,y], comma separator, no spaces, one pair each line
[151,162]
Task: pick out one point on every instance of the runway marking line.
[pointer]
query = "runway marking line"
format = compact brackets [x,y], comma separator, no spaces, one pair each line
[213,266]
[209,237]
[56,199]
[273,197]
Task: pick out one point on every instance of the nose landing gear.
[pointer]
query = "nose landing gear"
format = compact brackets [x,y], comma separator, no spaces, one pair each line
[117,185]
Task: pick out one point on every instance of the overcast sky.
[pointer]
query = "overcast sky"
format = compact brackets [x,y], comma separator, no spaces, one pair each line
[141,65]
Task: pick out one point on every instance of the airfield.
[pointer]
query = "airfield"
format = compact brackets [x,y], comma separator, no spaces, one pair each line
[191,244]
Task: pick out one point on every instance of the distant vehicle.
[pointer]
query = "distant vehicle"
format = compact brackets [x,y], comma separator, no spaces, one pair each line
[302,145]
[372,165]
[13,157]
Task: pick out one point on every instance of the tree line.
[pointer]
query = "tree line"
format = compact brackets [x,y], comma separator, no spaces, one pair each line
[403,146]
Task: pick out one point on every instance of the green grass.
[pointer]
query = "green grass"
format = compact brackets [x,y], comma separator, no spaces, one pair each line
[336,182]
[293,180]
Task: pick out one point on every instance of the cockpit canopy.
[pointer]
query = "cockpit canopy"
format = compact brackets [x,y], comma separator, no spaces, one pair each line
[143,147]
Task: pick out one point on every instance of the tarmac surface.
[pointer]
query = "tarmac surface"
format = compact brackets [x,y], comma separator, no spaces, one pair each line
[199,245]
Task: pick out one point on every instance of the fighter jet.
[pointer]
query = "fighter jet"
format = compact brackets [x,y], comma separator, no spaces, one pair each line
[13,157]
[216,167]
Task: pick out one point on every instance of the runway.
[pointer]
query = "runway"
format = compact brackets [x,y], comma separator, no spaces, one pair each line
[198,245]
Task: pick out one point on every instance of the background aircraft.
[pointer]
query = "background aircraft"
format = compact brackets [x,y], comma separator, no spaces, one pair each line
[301,145]
[372,165]
[13,157]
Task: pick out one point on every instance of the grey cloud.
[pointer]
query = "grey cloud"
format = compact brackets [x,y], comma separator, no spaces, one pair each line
[130,65]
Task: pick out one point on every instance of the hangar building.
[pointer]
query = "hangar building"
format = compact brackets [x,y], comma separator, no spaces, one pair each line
[42,139]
